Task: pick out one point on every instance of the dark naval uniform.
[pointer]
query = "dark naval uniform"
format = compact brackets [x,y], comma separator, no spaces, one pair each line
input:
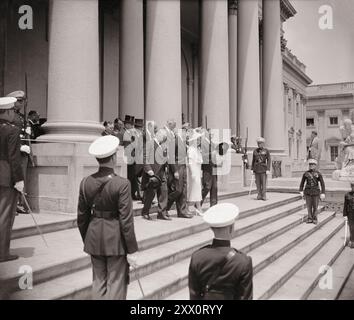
[234,279]
[312,192]
[260,165]
[348,211]
[105,220]
[10,173]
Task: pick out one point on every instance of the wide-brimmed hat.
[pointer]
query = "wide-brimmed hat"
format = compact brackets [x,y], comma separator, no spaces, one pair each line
[194,135]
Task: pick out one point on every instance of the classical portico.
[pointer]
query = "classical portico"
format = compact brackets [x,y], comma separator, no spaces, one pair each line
[217,64]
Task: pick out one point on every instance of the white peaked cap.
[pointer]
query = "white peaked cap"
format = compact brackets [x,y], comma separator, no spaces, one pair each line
[7,103]
[312,161]
[221,215]
[104,147]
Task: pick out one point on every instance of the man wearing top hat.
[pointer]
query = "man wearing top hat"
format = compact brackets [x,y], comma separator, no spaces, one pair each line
[106,222]
[261,168]
[155,165]
[11,174]
[312,191]
[25,133]
[348,213]
[218,271]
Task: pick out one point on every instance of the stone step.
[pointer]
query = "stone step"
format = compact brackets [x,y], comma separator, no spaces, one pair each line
[275,274]
[341,270]
[300,285]
[273,248]
[162,254]
[24,225]
[347,293]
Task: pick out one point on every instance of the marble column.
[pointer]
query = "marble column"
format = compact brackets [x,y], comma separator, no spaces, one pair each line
[233,65]
[272,76]
[131,59]
[248,81]
[73,75]
[163,61]
[214,76]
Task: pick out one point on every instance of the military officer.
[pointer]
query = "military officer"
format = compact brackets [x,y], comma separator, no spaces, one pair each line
[348,213]
[25,133]
[105,220]
[11,174]
[261,167]
[312,192]
[218,271]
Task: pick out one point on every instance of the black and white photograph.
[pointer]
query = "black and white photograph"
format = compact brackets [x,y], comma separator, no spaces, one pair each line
[176,150]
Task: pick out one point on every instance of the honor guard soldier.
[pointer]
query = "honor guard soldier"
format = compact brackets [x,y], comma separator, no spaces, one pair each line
[218,271]
[105,220]
[348,213]
[312,192]
[11,174]
[25,133]
[261,167]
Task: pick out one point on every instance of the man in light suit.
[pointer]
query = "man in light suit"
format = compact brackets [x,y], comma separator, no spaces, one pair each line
[106,224]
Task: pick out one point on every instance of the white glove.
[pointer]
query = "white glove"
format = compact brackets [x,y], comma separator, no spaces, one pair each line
[150,173]
[301,194]
[322,196]
[19,186]
[28,130]
[268,172]
[345,218]
[132,260]
[25,148]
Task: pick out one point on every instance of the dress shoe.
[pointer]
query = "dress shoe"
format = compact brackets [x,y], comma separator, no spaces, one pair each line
[10,257]
[187,216]
[264,199]
[309,221]
[315,221]
[351,244]
[259,198]
[146,216]
[163,217]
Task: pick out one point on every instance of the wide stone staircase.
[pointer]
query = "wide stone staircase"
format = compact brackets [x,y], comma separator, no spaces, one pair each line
[287,254]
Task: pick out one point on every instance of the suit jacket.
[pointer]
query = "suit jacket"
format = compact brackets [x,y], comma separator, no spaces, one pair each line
[236,274]
[261,160]
[10,154]
[106,237]
[348,208]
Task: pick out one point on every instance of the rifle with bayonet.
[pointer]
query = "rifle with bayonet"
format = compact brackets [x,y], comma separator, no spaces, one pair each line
[27,128]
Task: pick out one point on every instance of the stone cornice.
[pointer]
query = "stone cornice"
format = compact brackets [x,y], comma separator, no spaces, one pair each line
[286,10]
[306,79]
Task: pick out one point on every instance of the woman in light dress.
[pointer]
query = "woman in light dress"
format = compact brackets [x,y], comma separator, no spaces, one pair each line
[194,171]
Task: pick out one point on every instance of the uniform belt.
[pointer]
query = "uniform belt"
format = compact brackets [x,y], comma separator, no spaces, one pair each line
[105,214]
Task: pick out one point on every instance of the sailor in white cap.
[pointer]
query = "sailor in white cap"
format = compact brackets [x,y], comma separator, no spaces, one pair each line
[261,168]
[11,174]
[348,213]
[105,220]
[312,192]
[218,271]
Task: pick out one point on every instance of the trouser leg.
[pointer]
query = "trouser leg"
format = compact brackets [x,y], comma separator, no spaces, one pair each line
[309,206]
[263,185]
[8,202]
[351,228]
[315,201]
[181,187]
[117,278]
[162,196]
[132,178]
[24,166]
[149,195]
[258,185]
[207,184]
[99,272]
[214,191]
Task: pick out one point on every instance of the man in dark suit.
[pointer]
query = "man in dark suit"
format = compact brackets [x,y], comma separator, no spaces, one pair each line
[348,213]
[261,167]
[177,173]
[218,271]
[11,174]
[106,223]
[155,165]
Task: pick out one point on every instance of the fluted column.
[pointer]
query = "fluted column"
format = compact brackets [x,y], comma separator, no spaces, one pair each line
[73,75]
[272,76]
[163,61]
[233,64]
[214,81]
[131,59]
[248,82]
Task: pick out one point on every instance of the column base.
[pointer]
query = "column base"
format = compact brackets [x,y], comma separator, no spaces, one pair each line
[59,131]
